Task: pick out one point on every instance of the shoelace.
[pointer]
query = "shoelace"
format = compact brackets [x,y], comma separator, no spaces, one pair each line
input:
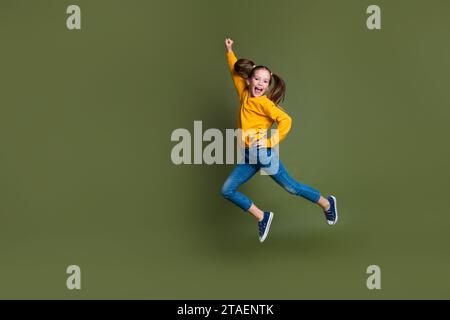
[262,226]
[330,214]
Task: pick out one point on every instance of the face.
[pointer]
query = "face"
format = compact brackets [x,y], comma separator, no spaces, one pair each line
[259,82]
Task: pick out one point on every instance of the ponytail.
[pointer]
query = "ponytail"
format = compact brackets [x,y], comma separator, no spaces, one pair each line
[277,93]
[245,68]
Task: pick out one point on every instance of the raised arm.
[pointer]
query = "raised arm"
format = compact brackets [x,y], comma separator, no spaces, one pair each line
[239,82]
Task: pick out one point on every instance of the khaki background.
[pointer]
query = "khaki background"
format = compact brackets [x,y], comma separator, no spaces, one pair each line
[86,176]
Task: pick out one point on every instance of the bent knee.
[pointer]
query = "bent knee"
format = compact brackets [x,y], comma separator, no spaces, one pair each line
[227,192]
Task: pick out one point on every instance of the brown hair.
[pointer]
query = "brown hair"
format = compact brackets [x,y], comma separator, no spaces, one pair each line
[246,68]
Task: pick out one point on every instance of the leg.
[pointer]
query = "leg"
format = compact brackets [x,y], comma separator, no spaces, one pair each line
[328,204]
[324,203]
[283,178]
[256,212]
[241,174]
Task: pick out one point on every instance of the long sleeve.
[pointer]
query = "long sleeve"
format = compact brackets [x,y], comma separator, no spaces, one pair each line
[283,121]
[239,82]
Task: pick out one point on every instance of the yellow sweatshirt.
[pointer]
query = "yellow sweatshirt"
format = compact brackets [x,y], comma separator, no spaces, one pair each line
[257,114]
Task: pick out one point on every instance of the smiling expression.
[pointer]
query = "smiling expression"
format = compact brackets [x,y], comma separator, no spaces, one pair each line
[259,82]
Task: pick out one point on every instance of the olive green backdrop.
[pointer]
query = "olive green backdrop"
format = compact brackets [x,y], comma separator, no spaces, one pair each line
[86,176]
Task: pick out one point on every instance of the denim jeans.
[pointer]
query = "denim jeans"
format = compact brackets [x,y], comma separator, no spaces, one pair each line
[265,159]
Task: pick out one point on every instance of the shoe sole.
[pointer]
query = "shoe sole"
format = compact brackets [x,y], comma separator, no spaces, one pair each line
[335,209]
[266,232]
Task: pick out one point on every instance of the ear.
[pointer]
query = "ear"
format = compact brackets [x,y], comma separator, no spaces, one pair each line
[247,81]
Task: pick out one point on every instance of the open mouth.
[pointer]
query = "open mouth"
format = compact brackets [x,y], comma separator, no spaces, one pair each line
[258,90]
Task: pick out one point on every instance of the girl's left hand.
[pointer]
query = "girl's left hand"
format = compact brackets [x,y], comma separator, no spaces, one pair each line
[261,143]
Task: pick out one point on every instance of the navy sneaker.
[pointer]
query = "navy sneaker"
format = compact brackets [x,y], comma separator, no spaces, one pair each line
[331,214]
[264,226]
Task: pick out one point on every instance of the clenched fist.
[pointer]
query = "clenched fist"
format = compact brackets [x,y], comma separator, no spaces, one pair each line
[229,44]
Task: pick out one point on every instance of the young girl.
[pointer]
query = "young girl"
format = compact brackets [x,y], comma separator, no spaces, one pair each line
[257,113]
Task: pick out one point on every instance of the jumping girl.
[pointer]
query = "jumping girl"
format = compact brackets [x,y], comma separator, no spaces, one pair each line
[260,91]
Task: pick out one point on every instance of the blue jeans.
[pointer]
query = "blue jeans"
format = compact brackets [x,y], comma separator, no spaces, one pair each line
[263,159]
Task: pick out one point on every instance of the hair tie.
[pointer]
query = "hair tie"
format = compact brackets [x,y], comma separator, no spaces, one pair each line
[253,67]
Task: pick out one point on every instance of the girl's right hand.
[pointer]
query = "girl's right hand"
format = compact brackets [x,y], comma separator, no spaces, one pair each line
[229,44]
